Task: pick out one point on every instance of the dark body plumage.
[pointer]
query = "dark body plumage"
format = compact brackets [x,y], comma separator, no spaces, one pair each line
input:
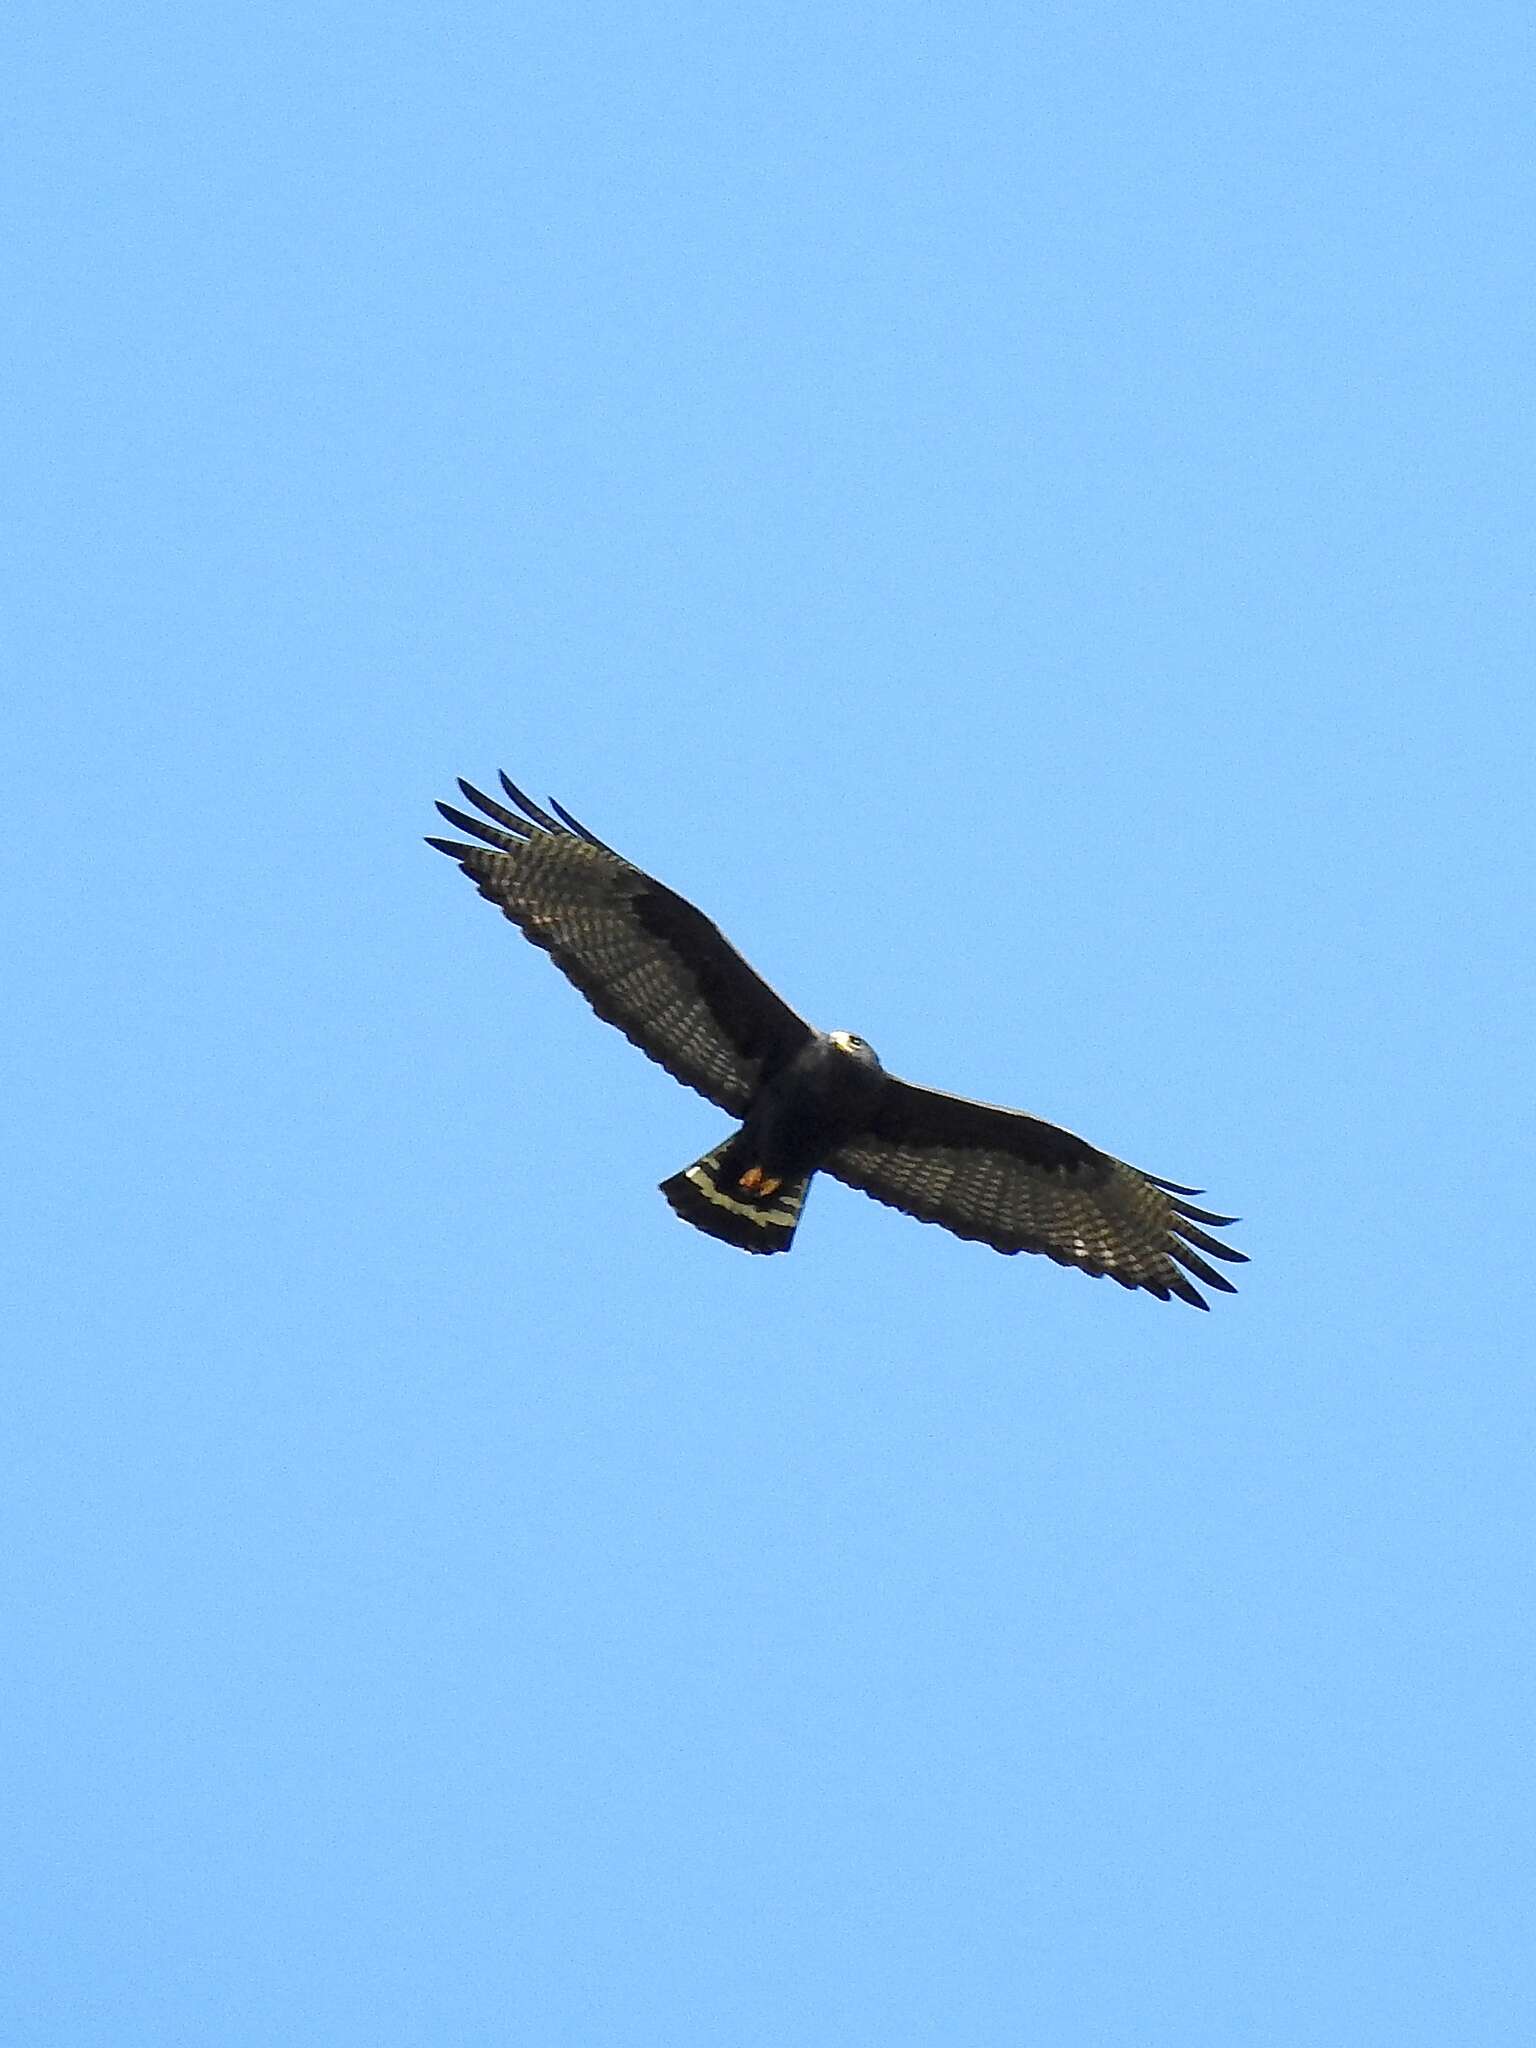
[654,966]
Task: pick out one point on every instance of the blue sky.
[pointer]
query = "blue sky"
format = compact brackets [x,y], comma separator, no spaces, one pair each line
[1027,516]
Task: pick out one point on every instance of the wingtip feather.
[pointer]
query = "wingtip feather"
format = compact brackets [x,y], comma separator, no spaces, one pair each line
[504,842]
[519,827]
[1187,1292]
[581,831]
[527,805]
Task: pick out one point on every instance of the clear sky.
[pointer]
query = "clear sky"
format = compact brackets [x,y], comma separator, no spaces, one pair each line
[1026,515]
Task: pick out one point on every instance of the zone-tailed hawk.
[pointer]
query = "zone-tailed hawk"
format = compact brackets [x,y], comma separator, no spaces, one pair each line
[650,963]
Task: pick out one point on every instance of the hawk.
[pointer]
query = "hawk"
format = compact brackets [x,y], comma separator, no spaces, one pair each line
[810,1101]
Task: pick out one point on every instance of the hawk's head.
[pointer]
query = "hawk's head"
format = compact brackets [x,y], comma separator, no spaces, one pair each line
[856,1049]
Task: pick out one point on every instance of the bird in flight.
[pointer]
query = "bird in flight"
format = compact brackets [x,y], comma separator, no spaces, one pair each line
[810,1101]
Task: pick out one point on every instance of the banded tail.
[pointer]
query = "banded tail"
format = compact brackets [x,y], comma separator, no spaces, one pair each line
[726,1196]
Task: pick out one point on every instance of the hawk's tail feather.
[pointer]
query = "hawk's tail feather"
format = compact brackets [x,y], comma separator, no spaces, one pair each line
[711,1196]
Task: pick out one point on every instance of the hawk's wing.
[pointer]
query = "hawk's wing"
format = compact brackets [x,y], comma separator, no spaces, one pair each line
[1020,1185]
[645,959]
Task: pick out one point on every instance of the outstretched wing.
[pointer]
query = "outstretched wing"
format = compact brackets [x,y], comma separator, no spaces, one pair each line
[645,959]
[1020,1185]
